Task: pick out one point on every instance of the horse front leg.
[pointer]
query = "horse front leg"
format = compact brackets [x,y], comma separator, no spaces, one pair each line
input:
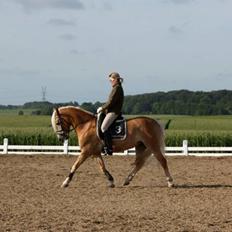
[81,158]
[106,172]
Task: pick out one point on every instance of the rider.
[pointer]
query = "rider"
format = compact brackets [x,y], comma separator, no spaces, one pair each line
[112,108]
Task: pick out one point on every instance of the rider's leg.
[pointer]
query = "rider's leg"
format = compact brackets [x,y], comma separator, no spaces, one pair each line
[108,148]
[108,120]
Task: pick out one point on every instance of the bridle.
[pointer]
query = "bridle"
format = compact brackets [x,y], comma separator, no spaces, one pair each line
[59,123]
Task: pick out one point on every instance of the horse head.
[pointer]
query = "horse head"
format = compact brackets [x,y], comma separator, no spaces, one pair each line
[60,125]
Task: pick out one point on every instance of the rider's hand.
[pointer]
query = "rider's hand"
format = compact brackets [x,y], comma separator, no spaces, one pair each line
[99,110]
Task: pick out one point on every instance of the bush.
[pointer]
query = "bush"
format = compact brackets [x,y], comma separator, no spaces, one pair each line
[20,112]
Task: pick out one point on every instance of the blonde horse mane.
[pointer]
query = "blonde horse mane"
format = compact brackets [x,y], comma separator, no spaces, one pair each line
[77,108]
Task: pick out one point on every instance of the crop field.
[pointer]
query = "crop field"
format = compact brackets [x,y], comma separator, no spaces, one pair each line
[198,130]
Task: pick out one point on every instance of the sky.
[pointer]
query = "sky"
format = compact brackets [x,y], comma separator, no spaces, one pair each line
[69,47]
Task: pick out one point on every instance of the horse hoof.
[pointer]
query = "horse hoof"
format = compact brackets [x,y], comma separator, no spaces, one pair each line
[111,185]
[126,183]
[64,186]
[65,183]
[170,184]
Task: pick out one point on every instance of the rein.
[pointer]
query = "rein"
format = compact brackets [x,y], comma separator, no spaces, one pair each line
[60,123]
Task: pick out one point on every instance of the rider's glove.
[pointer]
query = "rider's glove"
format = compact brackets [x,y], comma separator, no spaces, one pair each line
[99,110]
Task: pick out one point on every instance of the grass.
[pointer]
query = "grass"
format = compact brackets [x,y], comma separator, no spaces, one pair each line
[196,123]
[198,130]
[11,112]
[24,121]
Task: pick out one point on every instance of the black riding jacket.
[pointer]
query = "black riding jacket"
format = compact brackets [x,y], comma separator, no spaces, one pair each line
[115,100]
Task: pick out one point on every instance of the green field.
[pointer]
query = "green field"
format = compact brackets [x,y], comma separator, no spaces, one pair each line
[199,130]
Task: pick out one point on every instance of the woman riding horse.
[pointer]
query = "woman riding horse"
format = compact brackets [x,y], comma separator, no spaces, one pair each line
[112,108]
[145,134]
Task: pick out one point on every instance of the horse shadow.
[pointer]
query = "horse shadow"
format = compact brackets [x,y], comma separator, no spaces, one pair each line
[201,186]
[181,186]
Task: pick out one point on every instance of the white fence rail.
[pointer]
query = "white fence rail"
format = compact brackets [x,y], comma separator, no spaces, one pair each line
[185,150]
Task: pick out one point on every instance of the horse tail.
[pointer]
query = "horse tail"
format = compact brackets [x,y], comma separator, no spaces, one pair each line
[162,139]
[167,124]
[159,135]
[156,142]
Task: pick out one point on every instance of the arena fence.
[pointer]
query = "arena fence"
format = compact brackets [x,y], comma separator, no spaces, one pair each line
[65,149]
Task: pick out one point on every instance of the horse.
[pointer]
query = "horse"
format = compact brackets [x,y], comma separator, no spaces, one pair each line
[143,133]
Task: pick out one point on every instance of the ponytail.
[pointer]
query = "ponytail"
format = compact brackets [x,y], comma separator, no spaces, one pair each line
[116,75]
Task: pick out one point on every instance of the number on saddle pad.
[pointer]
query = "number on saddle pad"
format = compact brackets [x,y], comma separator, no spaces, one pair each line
[117,129]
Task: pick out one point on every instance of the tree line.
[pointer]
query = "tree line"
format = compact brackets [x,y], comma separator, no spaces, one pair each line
[179,102]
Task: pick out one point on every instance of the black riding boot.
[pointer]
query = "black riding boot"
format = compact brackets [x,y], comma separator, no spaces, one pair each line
[108,150]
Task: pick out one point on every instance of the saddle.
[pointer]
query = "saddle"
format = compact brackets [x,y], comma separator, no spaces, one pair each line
[117,129]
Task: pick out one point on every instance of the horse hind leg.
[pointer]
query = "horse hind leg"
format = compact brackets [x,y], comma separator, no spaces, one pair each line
[142,153]
[156,143]
[162,160]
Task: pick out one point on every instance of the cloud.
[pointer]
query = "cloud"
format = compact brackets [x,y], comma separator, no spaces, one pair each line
[54,4]
[61,22]
[77,52]
[175,30]
[67,36]
[223,1]
[100,5]
[179,1]
[74,52]
[107,6]
[15,71]
[223,76]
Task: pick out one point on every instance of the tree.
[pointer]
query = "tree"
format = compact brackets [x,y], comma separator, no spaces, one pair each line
[20,112]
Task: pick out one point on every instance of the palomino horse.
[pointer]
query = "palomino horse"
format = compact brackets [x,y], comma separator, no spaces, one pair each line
[145,134]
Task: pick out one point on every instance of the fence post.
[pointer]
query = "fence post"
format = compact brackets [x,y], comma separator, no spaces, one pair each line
[126,152]
[66,147]
[185,147]
[5,146]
